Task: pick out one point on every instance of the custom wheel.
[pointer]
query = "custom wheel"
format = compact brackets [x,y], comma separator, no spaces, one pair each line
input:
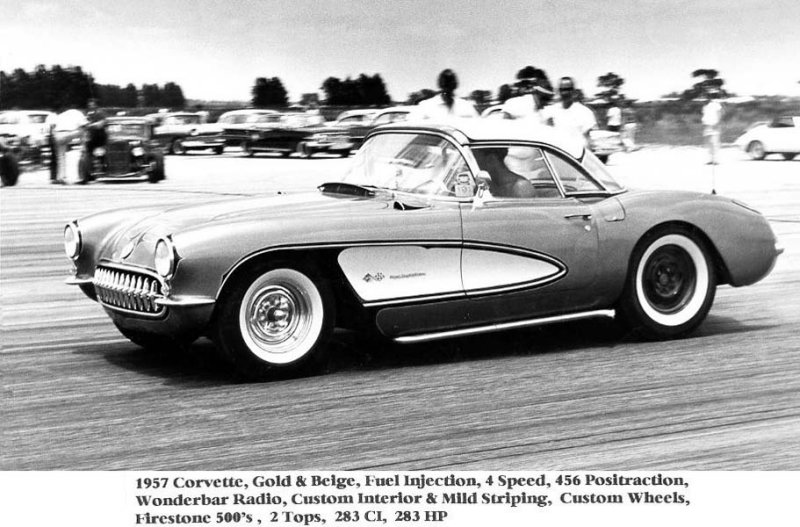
[176,147]
[671,285]
[756,150]
[275,320]
[246,149]
[789,157]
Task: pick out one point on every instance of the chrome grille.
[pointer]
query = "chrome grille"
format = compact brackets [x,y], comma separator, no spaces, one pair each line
[118,157]
[128,290]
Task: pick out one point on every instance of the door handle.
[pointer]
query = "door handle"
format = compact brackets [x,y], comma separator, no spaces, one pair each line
[585,217]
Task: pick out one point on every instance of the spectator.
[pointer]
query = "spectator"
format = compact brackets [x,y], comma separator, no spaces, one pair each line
[712,120]
[614,117]
[629,126]
[530,99]
[569,115]
[445,105]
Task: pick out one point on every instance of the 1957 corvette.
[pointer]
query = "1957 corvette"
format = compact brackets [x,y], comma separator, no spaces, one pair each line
[435,231]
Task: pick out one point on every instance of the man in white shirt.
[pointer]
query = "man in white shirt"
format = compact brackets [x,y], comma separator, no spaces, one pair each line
[528,103]
[614,118]
[569,115]
[445,105]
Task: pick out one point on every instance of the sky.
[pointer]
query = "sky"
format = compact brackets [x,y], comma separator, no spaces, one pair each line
[215,49]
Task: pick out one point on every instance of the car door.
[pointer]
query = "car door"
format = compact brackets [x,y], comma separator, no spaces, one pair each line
[531,247]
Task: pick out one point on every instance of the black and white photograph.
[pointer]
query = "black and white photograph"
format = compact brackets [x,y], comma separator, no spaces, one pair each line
[400,239]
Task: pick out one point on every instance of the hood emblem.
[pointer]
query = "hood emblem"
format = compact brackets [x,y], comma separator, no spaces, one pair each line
[128,249]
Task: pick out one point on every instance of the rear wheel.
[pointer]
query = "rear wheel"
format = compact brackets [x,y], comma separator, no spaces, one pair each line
[344,153]
[247,149]
[275,320]
[177,147]
[304,150]
[789,157]
[671,285]
[756,150]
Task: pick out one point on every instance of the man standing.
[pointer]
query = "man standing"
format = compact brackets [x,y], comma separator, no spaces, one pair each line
[569,115]
[530,99]
[712,119]
[445,105]
[614,117]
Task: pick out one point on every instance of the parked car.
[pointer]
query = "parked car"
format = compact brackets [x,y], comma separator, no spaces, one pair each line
[234,121]
[395,114]
[286,133]
[180,132]
[131,151]
[429,235]
[780,136]
[30,126]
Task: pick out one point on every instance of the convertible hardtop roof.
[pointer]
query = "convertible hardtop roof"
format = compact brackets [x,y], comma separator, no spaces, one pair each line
[484,130]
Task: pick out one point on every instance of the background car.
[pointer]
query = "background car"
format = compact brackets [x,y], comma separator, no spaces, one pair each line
[436,231]
[286,133]
[9,164]
[30,126]
[780,136]
[180,132]
[129,152]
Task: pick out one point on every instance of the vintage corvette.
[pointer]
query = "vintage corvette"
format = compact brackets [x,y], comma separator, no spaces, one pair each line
[435,231]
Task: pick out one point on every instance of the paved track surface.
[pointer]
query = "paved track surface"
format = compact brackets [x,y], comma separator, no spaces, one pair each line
[76,395]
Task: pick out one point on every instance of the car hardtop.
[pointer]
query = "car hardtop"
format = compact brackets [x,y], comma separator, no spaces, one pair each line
[476,130]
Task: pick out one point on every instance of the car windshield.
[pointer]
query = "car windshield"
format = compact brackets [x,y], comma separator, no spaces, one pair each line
[264,118]
[125,129]
[406,162]
[184,119]
[599,172]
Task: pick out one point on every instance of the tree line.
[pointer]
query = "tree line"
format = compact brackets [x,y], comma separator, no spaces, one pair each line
[60,88]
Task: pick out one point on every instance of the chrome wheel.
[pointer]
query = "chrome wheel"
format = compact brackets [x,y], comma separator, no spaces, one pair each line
[281,316]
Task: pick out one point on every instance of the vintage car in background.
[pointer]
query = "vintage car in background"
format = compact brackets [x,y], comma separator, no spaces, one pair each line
[780,136]
[287,133]
[130,151]
[357,132]
[30,126]
[435,231]
[180,132]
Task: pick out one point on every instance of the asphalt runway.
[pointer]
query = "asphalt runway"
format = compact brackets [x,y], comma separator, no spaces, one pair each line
[76,395]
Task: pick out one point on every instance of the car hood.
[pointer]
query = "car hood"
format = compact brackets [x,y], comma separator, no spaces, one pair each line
[190,221]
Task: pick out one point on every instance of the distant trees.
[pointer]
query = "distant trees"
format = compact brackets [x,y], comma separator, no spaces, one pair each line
[610,86]
[365,90]
[708,81]
[55,88]
[59,88]
[504,93]
[269,92]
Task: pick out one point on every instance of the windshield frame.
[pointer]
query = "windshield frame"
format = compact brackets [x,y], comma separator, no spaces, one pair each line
[464,152]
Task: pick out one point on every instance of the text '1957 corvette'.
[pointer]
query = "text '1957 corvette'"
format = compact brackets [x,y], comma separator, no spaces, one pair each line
[435,231]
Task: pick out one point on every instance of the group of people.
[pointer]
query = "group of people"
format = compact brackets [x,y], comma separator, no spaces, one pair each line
[568,114]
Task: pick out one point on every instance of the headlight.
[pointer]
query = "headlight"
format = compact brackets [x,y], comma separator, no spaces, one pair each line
[72,240]
[99,151]
[165,257]
[254,137]
[138,151]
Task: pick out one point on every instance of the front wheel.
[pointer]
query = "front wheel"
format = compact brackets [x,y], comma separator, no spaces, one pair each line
[756,150]
[177,147]
[275,320]
[9,169]
[157,173]
[670,287]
